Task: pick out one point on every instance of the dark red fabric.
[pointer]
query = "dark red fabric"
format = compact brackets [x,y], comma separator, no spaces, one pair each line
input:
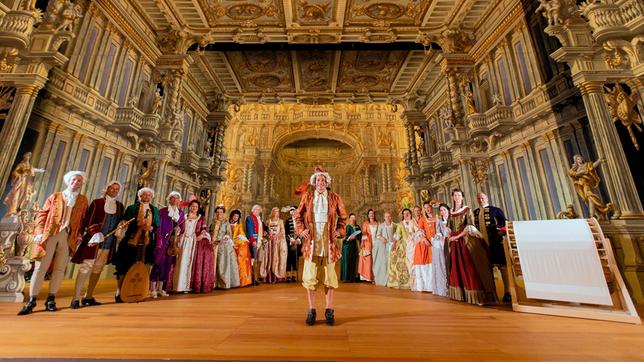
[94,219]
[202,279]
[462,272]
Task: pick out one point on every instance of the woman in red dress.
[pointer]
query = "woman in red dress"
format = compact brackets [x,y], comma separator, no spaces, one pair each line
[202,279]
[470,278]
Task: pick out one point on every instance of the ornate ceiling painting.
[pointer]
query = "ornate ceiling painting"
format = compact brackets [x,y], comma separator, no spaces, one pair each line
[253,13]
[369,70]
[243,13]
[314,12]
[337,73]
[315,70]
[310,76]
[315,21]
[263,71]
[386,13]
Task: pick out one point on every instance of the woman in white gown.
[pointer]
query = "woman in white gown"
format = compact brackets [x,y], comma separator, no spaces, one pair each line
[439,249]
[380,249]
[183,268]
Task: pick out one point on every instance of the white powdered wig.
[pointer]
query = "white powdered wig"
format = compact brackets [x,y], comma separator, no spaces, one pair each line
[144,190]
[174,193]
[113,182]
[71,174]
[325,174]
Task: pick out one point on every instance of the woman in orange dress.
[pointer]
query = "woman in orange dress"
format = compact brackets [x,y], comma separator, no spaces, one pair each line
[421,270]
[365,264]
[242,249]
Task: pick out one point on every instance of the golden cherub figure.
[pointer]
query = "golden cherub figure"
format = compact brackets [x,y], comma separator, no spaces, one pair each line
[622,109]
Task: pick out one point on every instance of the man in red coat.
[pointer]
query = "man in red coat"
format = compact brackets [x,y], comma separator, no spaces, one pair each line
[96,249]
[319,221]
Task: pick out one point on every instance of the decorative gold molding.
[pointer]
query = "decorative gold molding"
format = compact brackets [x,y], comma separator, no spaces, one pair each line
[31,90]
[591,87]
[507,22]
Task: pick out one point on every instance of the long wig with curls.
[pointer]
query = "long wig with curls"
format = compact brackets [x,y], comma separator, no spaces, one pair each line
[234,212]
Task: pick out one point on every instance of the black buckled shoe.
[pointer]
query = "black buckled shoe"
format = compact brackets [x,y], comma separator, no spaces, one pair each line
[507,298]
[117,299]
[330,318]
[50,304]
[75,304]
[29,307]
[90,301]
[310,317]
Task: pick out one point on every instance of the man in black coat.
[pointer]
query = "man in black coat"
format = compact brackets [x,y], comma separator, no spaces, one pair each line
[294,247]
[490,221]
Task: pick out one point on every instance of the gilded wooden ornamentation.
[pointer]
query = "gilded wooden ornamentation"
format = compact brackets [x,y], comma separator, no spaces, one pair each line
[623,109]
[586,180]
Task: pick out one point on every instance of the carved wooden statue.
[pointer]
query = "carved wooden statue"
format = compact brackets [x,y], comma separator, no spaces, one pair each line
[146,174]
[622,109]
[156,104]
[21,186]
[586,180]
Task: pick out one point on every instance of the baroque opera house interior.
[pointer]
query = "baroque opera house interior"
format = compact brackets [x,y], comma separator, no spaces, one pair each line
[322,180]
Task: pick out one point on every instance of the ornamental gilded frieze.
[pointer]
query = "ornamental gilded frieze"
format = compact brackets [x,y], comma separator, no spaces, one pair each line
[61,15]
[478,169]
[243,13]
[314,12]
[623,109]
[174,41]
[407,12]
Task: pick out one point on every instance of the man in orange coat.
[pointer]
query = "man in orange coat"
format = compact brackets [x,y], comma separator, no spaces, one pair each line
[59,230]
[319,221]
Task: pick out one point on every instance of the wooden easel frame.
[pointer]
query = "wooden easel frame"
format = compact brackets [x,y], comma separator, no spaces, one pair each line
[623,310]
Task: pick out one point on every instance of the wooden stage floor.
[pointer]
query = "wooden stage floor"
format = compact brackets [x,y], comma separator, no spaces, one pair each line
[267,322]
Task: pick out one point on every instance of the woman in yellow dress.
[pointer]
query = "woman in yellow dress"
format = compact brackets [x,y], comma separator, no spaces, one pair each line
[241,249]
[397,267]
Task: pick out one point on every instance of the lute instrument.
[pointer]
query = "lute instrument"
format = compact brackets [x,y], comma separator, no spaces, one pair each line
[136,284]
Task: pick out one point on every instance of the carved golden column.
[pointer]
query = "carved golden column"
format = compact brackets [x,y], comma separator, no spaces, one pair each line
[265,181]
[14,128]
[617,177]
[411,141]
[454,98]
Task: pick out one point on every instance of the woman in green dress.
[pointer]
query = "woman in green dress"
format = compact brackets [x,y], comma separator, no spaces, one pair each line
[349,265]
